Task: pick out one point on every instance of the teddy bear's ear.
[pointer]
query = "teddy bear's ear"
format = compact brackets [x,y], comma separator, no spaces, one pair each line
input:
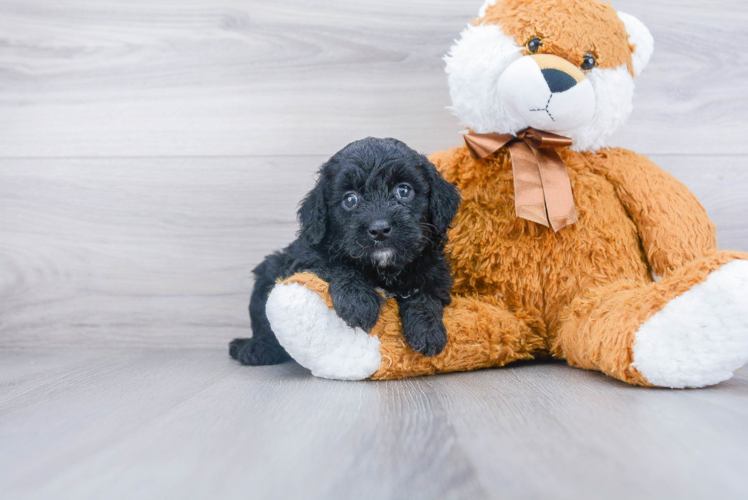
[641,40]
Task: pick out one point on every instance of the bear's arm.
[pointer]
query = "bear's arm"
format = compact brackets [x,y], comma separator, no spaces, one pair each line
[673,226]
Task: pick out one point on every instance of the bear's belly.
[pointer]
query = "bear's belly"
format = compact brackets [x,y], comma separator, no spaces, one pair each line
[531,267]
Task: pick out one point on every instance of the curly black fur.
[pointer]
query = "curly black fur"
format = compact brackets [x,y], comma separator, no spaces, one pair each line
[386,241]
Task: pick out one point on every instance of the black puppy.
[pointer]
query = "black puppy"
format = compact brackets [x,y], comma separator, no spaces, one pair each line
[377,218]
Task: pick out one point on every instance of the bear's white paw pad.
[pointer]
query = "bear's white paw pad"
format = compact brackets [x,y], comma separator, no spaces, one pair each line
[701,337]
[317,338]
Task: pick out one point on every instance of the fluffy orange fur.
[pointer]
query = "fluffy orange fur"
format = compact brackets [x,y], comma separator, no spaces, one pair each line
[522,291]
[568,29]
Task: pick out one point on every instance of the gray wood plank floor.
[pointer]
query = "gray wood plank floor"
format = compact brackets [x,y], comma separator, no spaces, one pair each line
[184,424]
[153,151]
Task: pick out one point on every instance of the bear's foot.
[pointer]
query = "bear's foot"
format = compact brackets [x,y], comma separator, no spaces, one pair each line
[700,337]
[308,328]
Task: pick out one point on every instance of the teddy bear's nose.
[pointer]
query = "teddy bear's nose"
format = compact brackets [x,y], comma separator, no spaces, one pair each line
[559,74]
[557,80]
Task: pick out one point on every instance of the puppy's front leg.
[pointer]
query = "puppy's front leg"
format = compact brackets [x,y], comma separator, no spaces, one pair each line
[423,327]
[356,302]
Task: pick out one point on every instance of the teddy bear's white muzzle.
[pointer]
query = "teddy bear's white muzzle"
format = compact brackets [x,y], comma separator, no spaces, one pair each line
[546,94]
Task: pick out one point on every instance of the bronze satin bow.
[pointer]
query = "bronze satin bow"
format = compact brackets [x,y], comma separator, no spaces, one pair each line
[542,190]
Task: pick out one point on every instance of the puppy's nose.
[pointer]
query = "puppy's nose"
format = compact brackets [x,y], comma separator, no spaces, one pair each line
[379,230]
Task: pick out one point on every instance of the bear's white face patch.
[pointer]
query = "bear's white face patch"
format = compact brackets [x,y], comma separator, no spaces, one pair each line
[496,88]
[543,102]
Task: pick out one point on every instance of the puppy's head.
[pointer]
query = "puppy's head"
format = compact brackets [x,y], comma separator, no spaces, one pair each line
[378,203]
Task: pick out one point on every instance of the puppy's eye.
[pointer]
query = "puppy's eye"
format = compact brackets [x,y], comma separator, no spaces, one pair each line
[350,201]
[533,45]
[589,63]
[404,192]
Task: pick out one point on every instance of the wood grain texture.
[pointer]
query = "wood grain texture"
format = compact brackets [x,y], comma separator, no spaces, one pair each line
[566,434]
[159,252]
[156,251]
[146,244]
[231,77]
[168,424]
[153,152]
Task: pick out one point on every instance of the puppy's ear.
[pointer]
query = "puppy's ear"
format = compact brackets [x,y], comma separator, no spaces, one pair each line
[444,200]
[312,215]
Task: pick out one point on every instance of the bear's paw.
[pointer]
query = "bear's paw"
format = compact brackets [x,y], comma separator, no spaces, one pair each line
[701,337]
[317,338]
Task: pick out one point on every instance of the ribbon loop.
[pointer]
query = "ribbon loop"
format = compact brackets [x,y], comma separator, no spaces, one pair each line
[483,145]
[542,189]
[544,140]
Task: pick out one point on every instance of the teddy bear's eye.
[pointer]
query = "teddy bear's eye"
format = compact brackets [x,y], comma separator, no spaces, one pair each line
[533,45]
[589,63]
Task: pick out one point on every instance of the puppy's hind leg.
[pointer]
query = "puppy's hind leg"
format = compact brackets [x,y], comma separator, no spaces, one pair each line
[263,348]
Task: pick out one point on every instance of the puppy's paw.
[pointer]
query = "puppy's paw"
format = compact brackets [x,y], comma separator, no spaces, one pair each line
[358,306]
[256,352]
[423,327]
[425,336]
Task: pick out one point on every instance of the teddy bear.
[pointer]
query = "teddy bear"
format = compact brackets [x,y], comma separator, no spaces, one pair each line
[562,246]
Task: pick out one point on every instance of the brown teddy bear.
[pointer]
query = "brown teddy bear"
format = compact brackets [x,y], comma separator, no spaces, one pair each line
[562,246]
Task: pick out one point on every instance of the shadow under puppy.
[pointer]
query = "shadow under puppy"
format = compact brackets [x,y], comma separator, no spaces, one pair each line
[376,219]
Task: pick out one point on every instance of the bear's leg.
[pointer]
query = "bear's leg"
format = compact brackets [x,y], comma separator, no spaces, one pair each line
[481,333]
[690,329]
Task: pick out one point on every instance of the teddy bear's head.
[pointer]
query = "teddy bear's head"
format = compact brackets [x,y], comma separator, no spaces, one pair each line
[562,66]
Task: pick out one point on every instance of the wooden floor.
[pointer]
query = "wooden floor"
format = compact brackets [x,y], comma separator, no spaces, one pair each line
[152,151]
[184,424]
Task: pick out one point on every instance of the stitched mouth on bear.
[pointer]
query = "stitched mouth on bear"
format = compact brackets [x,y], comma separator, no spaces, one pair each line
[546,108]
[543,93]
